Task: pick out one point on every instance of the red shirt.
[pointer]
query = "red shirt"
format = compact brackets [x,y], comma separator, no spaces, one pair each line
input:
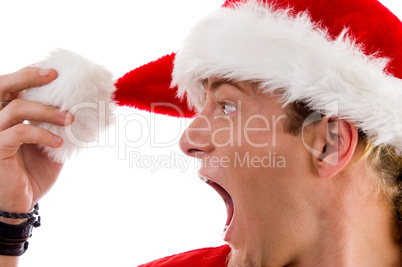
[204,257]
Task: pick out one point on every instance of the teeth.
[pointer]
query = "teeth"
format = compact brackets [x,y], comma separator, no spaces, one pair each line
[224,232]
[204,179]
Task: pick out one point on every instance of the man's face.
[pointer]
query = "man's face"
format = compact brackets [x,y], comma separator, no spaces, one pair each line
[255,166]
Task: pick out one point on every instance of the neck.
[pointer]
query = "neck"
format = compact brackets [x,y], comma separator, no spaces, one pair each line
[355,231]
[354,245]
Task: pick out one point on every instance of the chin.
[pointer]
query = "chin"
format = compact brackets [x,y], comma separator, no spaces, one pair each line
[237,259]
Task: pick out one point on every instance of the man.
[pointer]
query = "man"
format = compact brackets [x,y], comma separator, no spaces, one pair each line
[299,130]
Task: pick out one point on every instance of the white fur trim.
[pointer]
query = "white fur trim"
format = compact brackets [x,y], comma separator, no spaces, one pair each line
[255,43]
[82,88]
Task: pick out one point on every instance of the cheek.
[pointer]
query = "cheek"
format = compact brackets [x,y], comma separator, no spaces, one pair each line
[260,131]
[250,147]
[252,134]
[224,133]
[264,176]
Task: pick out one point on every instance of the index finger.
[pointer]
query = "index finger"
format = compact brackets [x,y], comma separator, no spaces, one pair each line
[28,77]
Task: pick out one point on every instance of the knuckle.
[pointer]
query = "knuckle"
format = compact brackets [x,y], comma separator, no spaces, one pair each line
[11,114]
[20,130]
[30,75]
[26,72]
[2,79]
[4,85]
[16,104]
[41,134]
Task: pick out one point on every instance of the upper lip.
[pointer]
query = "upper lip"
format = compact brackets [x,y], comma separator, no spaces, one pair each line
[223,193]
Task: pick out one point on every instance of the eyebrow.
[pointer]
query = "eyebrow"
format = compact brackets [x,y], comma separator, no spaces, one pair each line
[215,86]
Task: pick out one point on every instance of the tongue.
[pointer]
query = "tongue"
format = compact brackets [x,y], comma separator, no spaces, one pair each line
[229,209]
[226,198]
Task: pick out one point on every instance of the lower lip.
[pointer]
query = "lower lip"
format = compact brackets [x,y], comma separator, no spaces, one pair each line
[227,231]
[225,235]
[230,213]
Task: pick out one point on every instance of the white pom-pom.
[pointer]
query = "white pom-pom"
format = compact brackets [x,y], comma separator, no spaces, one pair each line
[82,88]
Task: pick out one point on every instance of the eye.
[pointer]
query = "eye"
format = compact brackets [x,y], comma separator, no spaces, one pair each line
[228,108]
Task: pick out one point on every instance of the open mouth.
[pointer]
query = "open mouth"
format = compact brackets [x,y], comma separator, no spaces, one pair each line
[225,196]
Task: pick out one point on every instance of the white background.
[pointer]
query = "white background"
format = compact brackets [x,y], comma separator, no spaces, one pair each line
[104,210]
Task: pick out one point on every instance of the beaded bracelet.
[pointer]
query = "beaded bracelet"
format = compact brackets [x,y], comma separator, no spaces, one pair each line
[13,238]
[21,215]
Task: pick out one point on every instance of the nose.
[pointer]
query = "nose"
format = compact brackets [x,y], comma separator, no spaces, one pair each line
[196,139]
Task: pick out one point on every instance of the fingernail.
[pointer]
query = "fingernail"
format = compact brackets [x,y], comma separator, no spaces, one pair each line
[64,114]
[44,72]
[67,115]
[58,139]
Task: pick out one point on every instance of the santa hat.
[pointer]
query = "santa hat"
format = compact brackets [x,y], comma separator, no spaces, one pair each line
[320,52]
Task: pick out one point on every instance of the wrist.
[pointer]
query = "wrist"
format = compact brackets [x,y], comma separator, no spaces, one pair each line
[9,261]
[14,238]
[17,217]
[12,221]
[15,230]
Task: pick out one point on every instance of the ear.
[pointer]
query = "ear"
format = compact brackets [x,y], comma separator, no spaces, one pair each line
[336,141]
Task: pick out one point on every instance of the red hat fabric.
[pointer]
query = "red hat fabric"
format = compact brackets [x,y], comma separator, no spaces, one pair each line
[369,23]
[320,52]
[148,88]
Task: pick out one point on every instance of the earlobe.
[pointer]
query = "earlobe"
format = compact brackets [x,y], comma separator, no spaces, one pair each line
[337,140]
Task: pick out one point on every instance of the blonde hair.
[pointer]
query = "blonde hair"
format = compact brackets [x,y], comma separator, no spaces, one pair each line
[386,164]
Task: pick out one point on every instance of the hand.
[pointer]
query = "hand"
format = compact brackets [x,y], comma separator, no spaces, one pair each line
[26,174]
